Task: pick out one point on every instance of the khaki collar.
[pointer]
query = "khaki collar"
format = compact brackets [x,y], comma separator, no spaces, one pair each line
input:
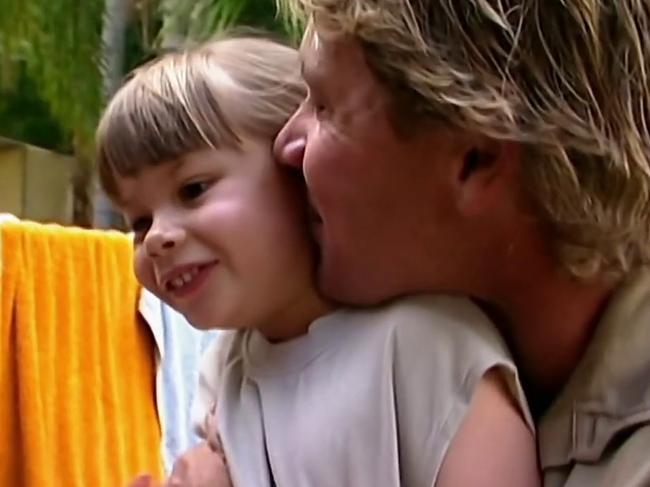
[610,389]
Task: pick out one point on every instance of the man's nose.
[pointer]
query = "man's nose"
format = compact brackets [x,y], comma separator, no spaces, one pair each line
[162,238]
[289,145]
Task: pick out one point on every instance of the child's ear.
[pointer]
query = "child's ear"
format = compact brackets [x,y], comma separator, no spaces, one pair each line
[485,173]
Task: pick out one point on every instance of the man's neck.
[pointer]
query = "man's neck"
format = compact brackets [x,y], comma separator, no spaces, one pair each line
[549,320]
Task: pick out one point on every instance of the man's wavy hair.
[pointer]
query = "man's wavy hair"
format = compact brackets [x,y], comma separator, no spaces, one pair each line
[569,80]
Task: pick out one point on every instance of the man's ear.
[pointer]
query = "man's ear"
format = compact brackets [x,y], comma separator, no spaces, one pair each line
[485,174]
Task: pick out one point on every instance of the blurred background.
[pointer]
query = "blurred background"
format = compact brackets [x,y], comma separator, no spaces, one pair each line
[60,60]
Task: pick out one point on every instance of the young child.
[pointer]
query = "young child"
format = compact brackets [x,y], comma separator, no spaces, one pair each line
[306,393]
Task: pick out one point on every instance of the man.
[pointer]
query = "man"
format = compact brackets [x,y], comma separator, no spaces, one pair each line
[500,150]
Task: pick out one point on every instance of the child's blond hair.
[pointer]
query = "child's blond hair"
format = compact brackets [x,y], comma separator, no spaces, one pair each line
[204,97]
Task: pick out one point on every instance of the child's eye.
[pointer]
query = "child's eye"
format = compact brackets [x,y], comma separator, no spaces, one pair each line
[140,226]
[194,190]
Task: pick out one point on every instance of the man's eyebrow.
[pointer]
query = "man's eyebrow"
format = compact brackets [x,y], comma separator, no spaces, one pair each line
[302,67]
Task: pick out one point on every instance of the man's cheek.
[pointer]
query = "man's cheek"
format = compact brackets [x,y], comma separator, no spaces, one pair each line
[322,173]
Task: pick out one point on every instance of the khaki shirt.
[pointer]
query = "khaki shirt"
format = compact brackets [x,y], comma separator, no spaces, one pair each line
[597,433]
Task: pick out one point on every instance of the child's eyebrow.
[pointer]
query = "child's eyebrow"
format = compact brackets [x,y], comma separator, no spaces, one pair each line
[178,164]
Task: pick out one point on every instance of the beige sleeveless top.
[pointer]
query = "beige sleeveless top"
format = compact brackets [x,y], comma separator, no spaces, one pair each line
[367,398]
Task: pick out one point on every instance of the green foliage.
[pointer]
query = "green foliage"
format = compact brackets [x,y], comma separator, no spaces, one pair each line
[59,43]
[187,22]
[25,116]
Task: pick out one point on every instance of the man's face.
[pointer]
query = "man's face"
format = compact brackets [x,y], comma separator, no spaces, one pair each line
[382,202]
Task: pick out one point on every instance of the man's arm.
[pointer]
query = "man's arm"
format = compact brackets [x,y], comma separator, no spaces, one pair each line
[494,446]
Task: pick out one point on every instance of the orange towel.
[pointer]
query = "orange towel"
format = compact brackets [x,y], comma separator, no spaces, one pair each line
[77,367]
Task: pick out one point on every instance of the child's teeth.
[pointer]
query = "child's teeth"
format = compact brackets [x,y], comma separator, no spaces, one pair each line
[184,278]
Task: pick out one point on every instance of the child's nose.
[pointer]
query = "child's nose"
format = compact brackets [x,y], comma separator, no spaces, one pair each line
[161,240]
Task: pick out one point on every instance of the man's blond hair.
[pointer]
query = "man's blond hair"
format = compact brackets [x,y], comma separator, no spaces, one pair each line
[208,96]
[569,80]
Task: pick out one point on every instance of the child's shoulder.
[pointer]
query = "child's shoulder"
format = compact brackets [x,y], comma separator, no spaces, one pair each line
[442,320]
[423,310]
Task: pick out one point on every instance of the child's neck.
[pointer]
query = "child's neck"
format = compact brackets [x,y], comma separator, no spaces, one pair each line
[294,319]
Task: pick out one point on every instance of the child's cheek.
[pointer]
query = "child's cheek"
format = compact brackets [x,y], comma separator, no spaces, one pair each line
[144,271]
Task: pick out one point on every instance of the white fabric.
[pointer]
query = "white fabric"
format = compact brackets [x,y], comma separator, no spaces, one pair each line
[368,398]
[8,217]
[180,347]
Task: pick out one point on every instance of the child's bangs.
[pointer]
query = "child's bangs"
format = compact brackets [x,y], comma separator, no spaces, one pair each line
[159,117]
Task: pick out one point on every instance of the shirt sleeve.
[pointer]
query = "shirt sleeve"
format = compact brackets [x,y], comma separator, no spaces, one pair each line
[442,348]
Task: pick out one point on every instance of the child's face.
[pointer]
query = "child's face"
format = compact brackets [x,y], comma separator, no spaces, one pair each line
[220,236]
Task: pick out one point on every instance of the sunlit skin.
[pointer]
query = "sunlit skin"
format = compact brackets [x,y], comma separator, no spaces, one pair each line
[219,235]
[373,191]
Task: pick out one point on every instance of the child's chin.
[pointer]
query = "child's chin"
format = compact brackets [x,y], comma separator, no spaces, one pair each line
[204,325]
[200,324]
